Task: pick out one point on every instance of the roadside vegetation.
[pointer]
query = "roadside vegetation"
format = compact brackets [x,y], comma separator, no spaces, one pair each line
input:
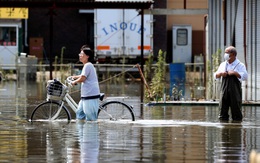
[211,68]
[155,75]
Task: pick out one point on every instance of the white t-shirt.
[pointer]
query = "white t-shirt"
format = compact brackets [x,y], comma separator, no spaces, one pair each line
[90,86]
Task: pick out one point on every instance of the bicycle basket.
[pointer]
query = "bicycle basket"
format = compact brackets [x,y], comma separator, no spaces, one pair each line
[55,90]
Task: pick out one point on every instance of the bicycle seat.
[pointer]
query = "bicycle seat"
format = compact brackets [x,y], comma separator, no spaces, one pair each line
[101,97]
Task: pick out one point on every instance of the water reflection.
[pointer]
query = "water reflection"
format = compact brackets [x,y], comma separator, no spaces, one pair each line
[89,141]
[163,134]
[230,147]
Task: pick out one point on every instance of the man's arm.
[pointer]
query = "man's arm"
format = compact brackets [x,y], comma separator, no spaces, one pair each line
[224,74]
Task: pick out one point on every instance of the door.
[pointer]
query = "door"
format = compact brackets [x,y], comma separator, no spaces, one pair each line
[182,35]
[8,46]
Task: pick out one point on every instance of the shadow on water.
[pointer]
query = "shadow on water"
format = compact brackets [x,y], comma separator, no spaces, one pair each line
[164,134]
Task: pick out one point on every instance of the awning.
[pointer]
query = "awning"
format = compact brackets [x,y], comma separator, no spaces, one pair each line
[81,4]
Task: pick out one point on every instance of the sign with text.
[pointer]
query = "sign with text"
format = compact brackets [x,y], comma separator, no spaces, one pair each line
[14,13]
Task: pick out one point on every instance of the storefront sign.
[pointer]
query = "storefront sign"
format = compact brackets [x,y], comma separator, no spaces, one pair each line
[14,13]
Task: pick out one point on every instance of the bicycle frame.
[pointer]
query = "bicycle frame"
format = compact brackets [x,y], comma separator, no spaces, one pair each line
[74,106]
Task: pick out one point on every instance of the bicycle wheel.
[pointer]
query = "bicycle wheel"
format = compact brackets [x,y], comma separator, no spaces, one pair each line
[116,110]
[50,110]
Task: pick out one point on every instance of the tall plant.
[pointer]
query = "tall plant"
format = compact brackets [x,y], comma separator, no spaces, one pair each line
[157,85]
[216,60]
[148,67]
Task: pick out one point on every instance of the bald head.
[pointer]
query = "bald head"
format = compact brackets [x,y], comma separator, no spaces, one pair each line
[231,49]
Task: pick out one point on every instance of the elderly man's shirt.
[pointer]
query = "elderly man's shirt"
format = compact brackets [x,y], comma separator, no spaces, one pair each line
[237,66]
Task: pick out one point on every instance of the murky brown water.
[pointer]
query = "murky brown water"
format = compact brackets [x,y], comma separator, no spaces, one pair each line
[164,134]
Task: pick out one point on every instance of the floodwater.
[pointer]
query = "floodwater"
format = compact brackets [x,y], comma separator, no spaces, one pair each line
[160,134]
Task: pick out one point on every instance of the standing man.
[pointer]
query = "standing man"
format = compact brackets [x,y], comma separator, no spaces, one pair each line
[232,72]
[90,93]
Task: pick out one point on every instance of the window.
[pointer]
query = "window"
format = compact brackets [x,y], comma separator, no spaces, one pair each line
[7,36]
[182,37]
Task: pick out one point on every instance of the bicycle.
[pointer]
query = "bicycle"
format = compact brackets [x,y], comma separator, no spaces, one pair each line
[58,94]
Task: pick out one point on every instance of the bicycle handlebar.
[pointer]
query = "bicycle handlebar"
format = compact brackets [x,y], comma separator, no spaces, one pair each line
[69,80]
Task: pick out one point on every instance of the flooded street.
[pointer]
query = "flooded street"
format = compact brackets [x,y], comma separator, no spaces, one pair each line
[160,134]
